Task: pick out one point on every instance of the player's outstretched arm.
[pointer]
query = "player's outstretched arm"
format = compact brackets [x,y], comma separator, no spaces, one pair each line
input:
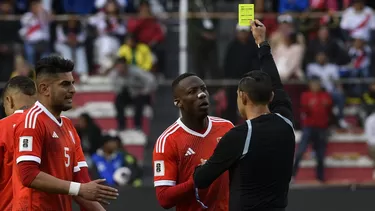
[281,102]
[92,191]
[227,152]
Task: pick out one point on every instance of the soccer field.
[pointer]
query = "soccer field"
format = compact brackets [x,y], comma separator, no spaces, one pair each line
[333,198]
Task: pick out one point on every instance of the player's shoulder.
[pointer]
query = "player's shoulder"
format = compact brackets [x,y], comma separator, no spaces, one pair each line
[31,117]
[218,121]
[168,137]
[12,119]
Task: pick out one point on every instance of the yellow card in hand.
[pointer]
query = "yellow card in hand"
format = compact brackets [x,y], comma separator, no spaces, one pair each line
[245,14]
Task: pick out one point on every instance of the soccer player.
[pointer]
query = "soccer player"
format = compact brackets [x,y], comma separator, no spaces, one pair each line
[183,146]
[259,153]
[45,151]
[19,93]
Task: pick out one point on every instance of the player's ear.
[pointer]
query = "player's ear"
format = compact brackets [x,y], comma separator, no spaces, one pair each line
[177,103]
[10,101]
[43,88]
[271,98]
[243,97]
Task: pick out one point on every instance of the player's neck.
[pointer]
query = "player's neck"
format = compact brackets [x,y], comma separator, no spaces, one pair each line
[256,111]
[195,123]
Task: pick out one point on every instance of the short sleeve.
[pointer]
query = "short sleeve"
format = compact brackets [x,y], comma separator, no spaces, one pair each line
[80,156]
[164,162]
[28,141]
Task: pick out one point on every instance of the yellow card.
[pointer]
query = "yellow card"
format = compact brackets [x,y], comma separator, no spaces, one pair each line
[245,14]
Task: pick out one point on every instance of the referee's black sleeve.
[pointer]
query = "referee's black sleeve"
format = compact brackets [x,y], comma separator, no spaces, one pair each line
[281,102]
[227,152]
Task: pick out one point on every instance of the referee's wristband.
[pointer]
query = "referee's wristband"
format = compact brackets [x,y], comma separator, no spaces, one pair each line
[74,188]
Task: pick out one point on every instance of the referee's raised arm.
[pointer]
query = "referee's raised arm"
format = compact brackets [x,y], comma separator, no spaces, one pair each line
[281,102]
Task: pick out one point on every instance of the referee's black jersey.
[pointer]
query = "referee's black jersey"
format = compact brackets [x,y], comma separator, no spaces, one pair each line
[258,154]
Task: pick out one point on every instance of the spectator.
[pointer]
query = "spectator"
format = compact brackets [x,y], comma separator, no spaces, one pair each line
[110,29]
[288,57]
[131,162]
[328,74]
[9,40]
[22,68]
[136,53]
[111,164]
[35,32]
[203,40]
[293,6]
[359,66]
[285,26]
[70,44]
[325,43]
[146,29]
[358,20]
[89,133]
[241,56]
[316,110]
[133,87]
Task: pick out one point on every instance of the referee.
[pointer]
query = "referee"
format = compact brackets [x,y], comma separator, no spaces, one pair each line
[259,153]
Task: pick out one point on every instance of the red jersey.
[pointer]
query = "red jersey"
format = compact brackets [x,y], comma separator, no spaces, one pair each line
[316,108]
[41,138]
[179,150]
[6,162]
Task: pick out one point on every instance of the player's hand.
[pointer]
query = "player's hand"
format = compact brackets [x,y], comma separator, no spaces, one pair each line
[259,31]
[94,191]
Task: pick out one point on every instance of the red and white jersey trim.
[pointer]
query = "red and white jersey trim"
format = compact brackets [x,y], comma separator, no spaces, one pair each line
[164,183]
[160,143]
[33,113]
[28,158]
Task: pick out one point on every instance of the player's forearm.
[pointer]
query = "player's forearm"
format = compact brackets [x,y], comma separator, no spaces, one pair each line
[268,65]
[50,184]
[88,205]
[169,197]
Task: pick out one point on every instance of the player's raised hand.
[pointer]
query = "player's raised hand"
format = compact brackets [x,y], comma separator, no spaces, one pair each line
[259,31]
[94,191]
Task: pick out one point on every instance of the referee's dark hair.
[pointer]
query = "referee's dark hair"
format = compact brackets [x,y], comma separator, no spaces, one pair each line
[22,84]
[258,87]
[181,77]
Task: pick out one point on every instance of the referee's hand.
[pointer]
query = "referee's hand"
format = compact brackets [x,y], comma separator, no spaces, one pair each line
[259,31]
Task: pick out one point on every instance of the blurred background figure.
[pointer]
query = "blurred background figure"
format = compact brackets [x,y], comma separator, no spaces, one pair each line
[316,111]
[110,31]
[89,133]
[133,86]
[70,44]
[35,31]
[136,53]
[328,73]
[115,165]
[370,135]
[147,29]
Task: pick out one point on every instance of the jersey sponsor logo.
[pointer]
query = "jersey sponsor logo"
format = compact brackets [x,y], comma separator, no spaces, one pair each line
[189,152]
[26,144]
[54,135]
[159,168]
[218,139]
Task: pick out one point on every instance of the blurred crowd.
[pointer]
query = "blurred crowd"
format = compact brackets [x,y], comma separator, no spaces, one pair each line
[125,40]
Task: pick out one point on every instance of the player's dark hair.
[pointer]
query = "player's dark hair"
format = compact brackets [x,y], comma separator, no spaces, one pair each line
[258,86]
[179,78]
[22,83]
[52,65]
